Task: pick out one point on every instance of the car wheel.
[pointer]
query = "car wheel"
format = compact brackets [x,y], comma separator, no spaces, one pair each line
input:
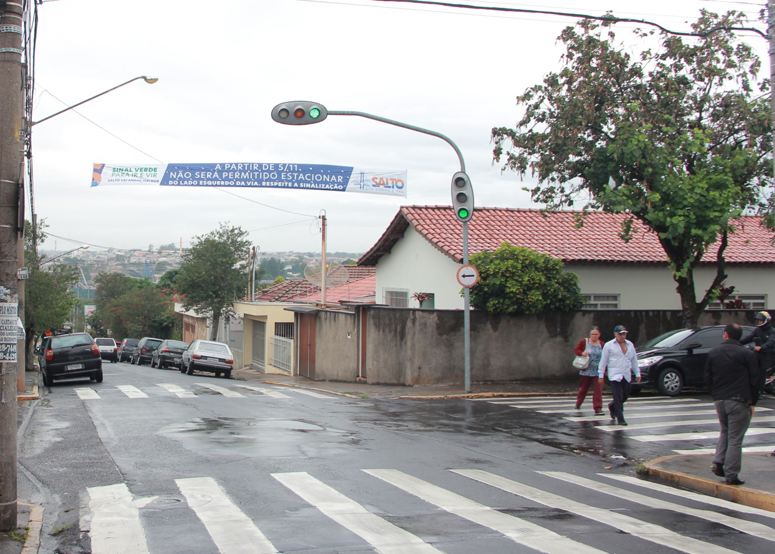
[217,374]
[190,368]
[181,367]
[46,379]
[98,376]
[153,363]
[227,375]
[670,382]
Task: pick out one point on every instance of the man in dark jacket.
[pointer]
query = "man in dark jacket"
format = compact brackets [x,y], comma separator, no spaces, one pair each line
[732,374]
[763,338]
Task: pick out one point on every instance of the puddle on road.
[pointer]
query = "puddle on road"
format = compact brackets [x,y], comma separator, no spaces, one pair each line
[281,438]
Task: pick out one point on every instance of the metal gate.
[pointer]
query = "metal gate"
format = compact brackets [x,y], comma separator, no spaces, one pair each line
[258,355]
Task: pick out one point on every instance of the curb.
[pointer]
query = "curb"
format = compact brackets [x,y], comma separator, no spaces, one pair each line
[34,395]
[34,527]
[292,386]
[740,495]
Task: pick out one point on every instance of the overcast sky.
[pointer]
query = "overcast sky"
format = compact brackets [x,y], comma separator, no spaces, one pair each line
[223,65]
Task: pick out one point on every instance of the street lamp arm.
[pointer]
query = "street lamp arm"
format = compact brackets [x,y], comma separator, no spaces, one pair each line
[149,80]
[406,126]
[84,247]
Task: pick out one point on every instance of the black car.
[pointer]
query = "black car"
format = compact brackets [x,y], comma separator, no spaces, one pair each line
[69,355]
[168,353]
[677,358]
[143,351]
[126,348]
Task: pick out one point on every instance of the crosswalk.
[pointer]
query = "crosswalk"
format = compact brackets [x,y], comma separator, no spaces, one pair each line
[194,391]
[654,420]
[605,505]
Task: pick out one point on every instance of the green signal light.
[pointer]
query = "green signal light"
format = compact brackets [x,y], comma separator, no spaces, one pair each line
[314,113]
[462,213]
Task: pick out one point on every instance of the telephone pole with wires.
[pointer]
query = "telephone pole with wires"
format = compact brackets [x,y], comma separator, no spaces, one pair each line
[12,129]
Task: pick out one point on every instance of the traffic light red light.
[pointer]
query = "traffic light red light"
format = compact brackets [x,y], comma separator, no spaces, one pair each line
[299,113]
[462,196]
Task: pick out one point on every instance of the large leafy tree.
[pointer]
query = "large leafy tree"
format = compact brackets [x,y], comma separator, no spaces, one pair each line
[110,286]
[676,137]
[48,298]
[146,312]
[514,280]
[211,276]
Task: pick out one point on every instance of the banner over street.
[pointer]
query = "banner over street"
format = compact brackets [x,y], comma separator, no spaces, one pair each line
[335,178]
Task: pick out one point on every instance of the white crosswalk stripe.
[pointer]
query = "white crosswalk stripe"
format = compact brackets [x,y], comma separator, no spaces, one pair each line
[263,390]
[311,393]
[699,436]
[760,448]
[114,519]
[381,534]
[221,390]
[131,391]
[177,390]
[644,415]
[677,423]
[85,393]
[625,523]
[749,527]
[231,530]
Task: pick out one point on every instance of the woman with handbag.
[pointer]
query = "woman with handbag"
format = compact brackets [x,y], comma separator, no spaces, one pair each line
[588,353]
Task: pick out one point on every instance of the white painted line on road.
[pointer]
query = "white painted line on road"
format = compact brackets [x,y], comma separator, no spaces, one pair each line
[131,391]
[749,527]
[696,497]
[519,530]
[87,394]
[115,522]
[755,449]
[629,408]
[222,390]
[661,414]
[312,393]
[699,436]
[178,390]
[680,423]
[268,392]
[231,530]
[625,523]
[379,533]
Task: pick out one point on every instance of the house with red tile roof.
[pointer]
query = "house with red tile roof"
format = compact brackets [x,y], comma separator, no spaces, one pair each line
[422,248]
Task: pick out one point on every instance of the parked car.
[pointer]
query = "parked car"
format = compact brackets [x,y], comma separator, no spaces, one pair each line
[108,349]
[126,348]
[143,350]
[206,355]
[677,358]
[67,356]
[168,353]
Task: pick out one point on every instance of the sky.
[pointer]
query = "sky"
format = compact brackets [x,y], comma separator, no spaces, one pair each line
[223,65]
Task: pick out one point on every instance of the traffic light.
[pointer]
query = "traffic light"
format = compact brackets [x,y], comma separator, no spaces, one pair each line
[299,113]
[462,196]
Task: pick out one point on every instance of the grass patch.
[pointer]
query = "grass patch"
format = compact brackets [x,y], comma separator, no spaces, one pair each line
[61,529]
[642,469]
[364,396]
[19,535]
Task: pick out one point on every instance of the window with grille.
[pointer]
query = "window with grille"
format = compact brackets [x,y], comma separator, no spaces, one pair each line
[741,302]
[283,330]
[601,302]
[397,298]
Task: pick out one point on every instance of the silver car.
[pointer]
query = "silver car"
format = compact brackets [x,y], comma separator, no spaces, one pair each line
[206,355]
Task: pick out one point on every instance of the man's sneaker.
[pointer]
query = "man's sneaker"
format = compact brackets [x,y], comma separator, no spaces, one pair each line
[600,412]
[611,413]
[623,423]
[717,469]
[734,481]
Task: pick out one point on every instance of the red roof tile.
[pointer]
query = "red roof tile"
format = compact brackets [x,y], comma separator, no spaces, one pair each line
[301,290]
[555,235]
[359,290]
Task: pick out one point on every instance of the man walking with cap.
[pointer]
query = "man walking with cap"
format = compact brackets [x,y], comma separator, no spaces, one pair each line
[732,374]
[619,359]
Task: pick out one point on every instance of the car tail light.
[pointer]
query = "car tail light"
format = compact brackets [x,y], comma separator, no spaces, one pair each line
[196,356]
[95,349]
[142,351]
[167,350]
[49,355]
[115,349]
[229,361]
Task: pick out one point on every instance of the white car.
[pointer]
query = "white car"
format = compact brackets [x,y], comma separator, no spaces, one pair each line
[206,355]
[108,349]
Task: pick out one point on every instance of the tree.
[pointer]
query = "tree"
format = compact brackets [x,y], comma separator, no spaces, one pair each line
[211,277]
[514,280]
[677,138]
[109,288]
[49,299]
[169,281]
[145,312]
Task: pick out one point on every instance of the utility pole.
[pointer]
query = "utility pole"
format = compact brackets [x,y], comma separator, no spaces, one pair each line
[12,129]
[771,35]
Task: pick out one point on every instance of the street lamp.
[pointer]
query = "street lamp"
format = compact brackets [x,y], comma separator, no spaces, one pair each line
[82,247]
[307,113]
[149,80]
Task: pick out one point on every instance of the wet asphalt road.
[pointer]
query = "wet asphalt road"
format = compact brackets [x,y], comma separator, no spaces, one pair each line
[291,472]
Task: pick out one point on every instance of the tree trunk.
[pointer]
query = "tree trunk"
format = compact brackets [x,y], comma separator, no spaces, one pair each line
[690,311]
[214,328]
[30,346]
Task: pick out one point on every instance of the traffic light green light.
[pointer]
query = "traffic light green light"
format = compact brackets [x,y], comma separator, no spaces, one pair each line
[462,196]
[299,113]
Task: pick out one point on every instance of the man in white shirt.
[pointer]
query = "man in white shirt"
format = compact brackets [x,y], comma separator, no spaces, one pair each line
[619,359]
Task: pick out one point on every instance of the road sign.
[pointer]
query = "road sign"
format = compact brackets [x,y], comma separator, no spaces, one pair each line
[467,276]
[23,273]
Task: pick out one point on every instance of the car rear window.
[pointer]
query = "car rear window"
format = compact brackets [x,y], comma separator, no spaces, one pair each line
[131,342]
[214,347]
[105,342]
[69,341]
[177,344]
[153,343]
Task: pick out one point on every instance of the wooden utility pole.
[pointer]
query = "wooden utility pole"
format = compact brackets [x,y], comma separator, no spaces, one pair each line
[12,129]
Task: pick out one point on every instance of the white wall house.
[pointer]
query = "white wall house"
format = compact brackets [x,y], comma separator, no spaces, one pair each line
[421,250]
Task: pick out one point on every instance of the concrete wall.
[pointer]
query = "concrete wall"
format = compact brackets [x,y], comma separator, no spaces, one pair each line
[413,347]
[270,313]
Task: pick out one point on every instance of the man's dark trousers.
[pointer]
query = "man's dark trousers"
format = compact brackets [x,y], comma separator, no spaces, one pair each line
[734,417]
[620,390]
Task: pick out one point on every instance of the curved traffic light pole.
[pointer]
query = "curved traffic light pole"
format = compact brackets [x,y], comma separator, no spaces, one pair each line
[301,113]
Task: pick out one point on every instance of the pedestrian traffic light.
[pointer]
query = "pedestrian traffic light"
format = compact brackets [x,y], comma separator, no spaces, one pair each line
[299,113]
[462,196]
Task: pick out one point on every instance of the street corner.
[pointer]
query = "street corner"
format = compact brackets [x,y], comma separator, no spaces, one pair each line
[692,472]
[25,539]
[33,394]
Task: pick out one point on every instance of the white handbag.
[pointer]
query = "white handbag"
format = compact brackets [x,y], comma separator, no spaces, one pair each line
[582,362]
